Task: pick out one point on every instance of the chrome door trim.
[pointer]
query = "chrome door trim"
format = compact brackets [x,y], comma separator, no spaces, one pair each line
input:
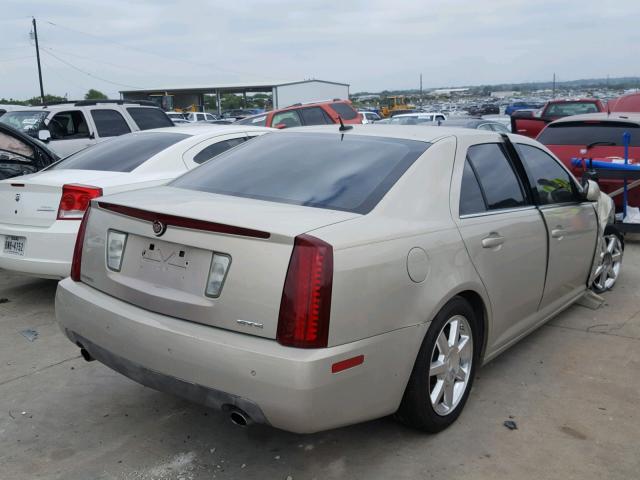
[497,212]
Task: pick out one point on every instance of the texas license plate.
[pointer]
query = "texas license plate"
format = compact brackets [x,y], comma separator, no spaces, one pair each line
[14,245]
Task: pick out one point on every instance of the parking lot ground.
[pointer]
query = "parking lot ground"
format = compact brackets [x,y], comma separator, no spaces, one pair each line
[572,387]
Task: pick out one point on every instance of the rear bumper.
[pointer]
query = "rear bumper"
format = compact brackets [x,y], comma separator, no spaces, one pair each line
[48,250]
[292,389]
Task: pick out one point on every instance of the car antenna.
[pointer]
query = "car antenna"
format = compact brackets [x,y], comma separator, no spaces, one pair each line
[343,127]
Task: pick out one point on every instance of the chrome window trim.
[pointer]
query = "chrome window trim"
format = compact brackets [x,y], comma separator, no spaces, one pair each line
[497,212]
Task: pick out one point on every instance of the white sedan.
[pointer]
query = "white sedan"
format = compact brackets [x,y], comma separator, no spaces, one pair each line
[324,276]
[40,213]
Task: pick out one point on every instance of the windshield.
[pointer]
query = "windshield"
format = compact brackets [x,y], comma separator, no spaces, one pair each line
[29,121]
[340,172]
[120,154]
[570,108]
[584,133]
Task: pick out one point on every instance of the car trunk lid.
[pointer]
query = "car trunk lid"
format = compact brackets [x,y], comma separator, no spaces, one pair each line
[168,273]
[33,200]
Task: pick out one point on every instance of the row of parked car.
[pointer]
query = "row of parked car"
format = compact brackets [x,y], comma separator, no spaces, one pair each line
[312,276]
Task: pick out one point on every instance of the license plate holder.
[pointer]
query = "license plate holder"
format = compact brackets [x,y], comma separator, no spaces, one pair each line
[14,245]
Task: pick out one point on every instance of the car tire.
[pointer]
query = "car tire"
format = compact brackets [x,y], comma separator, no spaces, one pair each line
[610,260]
[430,402]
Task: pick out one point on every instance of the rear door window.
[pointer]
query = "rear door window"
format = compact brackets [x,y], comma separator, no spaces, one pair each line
[314,116]
[344,110]
[109,123]
[339,172]
[497,178]
[217,148]
[147,117]
[552,183]
[471,198]
[584,133]
[120,154]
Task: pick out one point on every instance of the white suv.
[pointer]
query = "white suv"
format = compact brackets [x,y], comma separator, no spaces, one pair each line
[71,126]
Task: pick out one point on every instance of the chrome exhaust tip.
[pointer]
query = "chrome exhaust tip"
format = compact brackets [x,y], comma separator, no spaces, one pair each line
[239,418]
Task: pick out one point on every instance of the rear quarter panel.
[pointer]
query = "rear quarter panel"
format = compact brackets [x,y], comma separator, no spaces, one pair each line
[372,290]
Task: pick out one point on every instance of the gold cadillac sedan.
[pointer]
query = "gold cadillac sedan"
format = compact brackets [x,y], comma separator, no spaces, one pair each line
[319,277]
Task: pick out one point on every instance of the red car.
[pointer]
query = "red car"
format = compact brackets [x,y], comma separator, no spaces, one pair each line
[298,115]
[526,122]
[597,136]
[625,103]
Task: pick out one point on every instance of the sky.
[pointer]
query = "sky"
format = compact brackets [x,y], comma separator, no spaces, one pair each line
[371,44]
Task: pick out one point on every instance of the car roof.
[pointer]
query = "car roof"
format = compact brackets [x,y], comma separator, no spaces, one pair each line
[208,129]
[82,103]
[602,116]
[418,114]
[408,132]
[467,122]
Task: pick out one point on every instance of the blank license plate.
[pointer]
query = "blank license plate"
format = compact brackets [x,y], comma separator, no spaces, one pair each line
[14,245]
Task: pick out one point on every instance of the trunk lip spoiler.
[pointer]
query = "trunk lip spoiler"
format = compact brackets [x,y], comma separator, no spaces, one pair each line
[183,222]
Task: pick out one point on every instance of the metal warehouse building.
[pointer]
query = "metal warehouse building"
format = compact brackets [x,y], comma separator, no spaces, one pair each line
[283,93]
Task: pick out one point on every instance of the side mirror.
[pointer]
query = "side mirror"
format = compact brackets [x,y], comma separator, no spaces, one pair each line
[44,135]
[280,126]
[591,191]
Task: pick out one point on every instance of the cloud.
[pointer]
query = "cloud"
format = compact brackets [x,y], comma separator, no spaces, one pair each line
[374,45]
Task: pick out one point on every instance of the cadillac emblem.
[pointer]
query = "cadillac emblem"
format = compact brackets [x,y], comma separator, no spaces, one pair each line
[159,228]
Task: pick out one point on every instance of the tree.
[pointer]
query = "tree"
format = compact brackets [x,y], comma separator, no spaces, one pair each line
[47,99]
[231,101]
[93,94]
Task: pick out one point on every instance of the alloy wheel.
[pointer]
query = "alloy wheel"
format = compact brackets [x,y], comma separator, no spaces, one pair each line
[450,367]
[608,270]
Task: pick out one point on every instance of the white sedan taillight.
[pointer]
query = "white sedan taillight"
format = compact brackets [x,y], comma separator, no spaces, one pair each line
[75,200]
[116,242]
[217,273]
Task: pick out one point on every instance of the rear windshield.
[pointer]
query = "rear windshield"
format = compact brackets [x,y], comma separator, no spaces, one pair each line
[584,133]
[147,117]
[567,109]
[345,111]
[120,154]
[339,172]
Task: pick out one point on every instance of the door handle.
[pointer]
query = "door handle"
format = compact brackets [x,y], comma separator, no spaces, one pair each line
[493,240]
[558,232]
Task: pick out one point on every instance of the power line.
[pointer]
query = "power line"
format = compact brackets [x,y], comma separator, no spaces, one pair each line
[87,73]
[52,69]
[150,52]
[91,59]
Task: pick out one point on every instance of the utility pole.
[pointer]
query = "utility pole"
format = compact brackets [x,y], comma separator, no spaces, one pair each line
[554,85]
[421,91]
[35,36]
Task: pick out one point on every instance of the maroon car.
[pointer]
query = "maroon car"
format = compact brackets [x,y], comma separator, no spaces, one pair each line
[530,123]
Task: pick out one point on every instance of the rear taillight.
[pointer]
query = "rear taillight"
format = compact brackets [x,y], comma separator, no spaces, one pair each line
[77,251]
[306,298]
[75,200]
